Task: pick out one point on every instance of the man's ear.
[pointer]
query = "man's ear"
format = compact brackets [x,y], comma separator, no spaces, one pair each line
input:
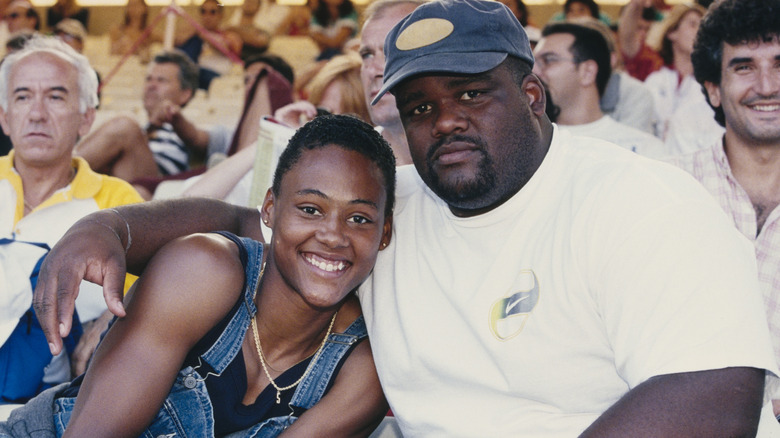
[186,96]
[587,72]
[713,92]
[3,122]
[534,90]
[86,122]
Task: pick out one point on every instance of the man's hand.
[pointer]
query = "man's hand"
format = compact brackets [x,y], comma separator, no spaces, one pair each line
[164,112]
[88,342]
[91,250]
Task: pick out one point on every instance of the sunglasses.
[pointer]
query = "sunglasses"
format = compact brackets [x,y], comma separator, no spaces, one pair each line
[209,11]
[13,15]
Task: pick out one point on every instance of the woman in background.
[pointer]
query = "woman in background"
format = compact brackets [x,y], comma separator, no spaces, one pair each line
[333,23]
[125,34]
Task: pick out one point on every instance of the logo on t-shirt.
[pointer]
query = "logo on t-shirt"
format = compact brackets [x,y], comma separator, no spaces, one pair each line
[509,314]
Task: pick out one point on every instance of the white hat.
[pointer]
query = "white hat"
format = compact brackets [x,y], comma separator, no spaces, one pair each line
[17,262]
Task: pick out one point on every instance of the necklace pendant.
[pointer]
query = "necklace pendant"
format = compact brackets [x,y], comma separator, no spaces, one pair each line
[278,397]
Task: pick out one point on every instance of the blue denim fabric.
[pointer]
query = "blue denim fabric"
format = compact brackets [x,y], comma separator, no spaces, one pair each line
[187,411]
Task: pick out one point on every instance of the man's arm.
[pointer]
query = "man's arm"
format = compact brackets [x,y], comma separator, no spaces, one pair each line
[629,39]
[93,249]
[723,402]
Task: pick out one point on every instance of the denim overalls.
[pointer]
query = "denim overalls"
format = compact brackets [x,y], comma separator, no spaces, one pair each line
[187,411]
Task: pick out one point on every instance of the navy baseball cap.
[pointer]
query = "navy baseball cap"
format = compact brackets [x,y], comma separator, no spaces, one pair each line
[453,36]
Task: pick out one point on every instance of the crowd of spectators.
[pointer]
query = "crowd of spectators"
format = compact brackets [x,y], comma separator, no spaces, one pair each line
[631,79]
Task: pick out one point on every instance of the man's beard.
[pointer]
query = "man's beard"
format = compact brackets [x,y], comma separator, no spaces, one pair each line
[463,193]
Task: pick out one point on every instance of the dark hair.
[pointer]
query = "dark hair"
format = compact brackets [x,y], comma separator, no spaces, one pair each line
[188,70]
[276,62]
[550,108]
[18,39]
[590,4]
[32,13]
[348,133]
[322,15]
[589,44]
[649,14]
[732,22]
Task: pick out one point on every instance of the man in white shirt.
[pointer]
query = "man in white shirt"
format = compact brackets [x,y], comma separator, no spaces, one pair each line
[736,59]
[573,60]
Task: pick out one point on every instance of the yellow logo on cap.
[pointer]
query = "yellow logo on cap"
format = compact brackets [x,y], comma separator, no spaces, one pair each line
[424,33]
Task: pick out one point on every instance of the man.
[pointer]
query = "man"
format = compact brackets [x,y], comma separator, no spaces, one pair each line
[735,59]
[48,98]
[625,98]
[534,282]
[122,148]
[574,61]
[380,17]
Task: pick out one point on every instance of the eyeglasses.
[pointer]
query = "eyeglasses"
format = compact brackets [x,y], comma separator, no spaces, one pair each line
[548,59]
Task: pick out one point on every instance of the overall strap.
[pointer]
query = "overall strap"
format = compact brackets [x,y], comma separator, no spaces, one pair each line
[219,355]
[321,370]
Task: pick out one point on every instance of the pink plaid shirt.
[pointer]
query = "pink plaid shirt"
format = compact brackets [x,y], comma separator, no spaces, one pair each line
[711,167]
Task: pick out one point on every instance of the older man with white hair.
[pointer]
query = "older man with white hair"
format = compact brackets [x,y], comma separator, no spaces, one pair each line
[48,94]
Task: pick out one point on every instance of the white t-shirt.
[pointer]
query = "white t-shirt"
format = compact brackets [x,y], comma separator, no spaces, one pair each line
[628,101]
[531,320]
[686,121]
[607,128]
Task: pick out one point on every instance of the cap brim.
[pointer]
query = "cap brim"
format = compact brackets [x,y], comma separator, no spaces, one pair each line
[461,63]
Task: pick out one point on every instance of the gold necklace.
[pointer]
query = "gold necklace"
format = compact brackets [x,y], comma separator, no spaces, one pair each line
[265,367]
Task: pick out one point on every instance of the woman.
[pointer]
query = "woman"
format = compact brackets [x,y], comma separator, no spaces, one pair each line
[258,328]
[686,122]
[335,88]
[333,22]
[130,30]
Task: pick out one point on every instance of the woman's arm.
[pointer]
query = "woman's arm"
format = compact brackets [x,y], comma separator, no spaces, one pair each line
[353,407]
[188,287]
[218,181]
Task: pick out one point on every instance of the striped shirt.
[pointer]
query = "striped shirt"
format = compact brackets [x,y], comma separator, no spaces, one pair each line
[169,151]
[711,167]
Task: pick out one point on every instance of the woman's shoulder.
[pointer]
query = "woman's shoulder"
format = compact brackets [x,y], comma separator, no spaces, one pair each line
[211,258]
[348,313]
